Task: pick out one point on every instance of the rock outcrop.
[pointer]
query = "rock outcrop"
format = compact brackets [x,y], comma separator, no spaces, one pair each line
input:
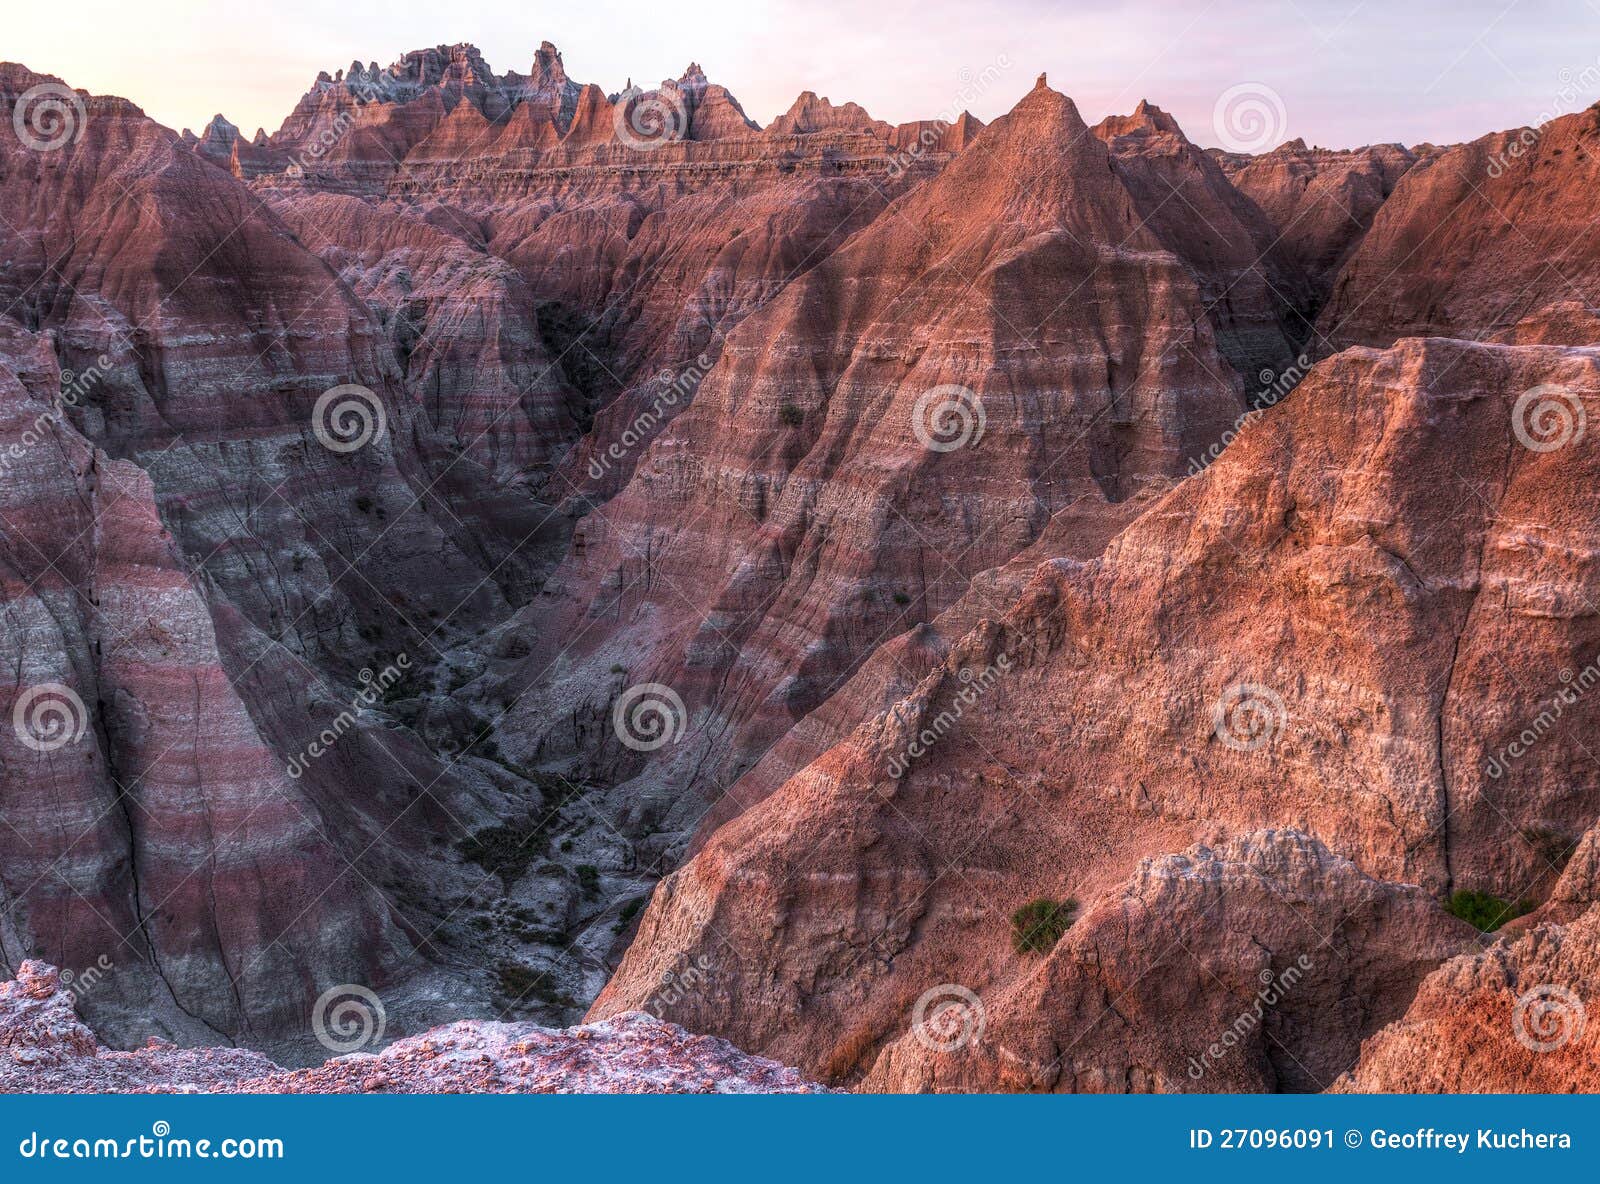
[177,307]
[1514,1018]
[797,514]
[1319,201]
[45,1049]
[1484,237]
[1302,635]
[187,556]
[1252,288]
[1256,967]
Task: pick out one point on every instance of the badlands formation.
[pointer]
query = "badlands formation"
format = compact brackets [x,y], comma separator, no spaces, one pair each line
[538,554]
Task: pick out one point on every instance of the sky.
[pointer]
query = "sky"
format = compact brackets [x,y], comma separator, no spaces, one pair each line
[1339,73]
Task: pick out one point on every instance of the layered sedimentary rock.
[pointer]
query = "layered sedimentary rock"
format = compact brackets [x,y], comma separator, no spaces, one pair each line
[800,512]
[1256,967]
[644,223]
[223,144]
[1487,235]
[1254,291]
[1316,631]
[1515,1018]
[45,1049]
[1319,201]
[209,319]
[856,445]
[150,822]
[169,341]
[810,113]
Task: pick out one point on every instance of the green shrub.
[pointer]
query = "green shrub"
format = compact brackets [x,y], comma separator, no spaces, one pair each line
[588,878]
[629,912]
[791,416]
[1485,911]
[1039,924]
[507,850]
[518,983]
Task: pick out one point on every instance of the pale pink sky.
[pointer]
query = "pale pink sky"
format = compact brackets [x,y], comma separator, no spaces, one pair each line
[1348,71]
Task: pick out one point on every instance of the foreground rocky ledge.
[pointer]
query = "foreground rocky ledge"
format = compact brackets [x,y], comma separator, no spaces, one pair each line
[44,1048]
